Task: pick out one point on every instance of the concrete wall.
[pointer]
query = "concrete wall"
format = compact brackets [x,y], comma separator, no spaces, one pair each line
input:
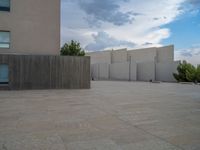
[142,55]
[119,71]
[161,54]
[95,71]
[100,71]
[133,71]
[34,26]
[100,57]
[104,71]
[47,72]
[119,56]
[164,71]
[165,54]
[146,71]
[146,64]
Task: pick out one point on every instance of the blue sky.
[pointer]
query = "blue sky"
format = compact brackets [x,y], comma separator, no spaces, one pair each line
[112,24]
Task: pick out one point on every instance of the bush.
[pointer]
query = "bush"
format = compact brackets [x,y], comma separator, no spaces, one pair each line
[72,49]
[187,73]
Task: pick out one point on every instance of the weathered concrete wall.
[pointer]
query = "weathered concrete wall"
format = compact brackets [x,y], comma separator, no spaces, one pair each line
[103,71]
[119,71]
[142,55]
[100,71]
[47,72]
[119,56]
[165,54]
[100,57]
[95,71]
[164,71]
[161,54]
[146,71]
[34,26]
[143,64]
[133,71]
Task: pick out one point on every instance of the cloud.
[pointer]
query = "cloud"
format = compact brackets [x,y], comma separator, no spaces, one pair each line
[128,22]
[191,54]
[195,3]
[186,54]
[102,40]
[106,11]
[156,18]
[147,43]
[190,6]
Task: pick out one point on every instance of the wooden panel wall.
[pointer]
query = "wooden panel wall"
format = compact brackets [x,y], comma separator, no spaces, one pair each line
[47,72]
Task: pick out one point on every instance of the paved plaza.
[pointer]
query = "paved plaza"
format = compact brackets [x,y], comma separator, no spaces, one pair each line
[109,116]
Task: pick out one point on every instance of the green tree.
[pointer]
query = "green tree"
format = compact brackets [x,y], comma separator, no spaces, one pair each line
[72,48]
[198,73]
[191,73]
[186,73]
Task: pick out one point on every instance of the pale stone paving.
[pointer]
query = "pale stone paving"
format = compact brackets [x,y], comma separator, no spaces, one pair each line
[109,116]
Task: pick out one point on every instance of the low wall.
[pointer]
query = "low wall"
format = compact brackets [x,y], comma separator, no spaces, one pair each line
[133,71]
[119,71]
[164,71]
[146,71]
[47,72]
[100,71]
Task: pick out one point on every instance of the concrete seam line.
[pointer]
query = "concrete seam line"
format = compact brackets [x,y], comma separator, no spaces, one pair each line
[158,137]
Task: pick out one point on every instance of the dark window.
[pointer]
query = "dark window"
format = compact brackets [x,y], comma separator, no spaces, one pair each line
[4,39]
[4,75]
[4,5]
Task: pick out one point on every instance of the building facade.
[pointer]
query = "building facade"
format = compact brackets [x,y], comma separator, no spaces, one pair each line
[30,27]
[149,64]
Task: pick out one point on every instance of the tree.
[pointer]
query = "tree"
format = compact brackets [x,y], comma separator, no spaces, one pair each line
[198,73]
[72,48]
[191,73]
[187,73]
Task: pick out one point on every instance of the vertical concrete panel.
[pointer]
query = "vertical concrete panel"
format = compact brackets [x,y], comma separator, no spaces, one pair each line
[165,54]
[146,71]
[103,71]
[133,71]
[164,71]
[119,71]
[95,71]
[100,57]
[142,55]
[86,72]
[119,56]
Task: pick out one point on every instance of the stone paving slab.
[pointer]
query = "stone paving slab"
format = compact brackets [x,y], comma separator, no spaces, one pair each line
[109,116]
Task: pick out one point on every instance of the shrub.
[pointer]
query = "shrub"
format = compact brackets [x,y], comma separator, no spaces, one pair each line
[72,48]
[187,73]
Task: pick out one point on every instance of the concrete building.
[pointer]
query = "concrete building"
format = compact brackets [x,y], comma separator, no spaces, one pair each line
[156,64]
[30,27]
[30,45]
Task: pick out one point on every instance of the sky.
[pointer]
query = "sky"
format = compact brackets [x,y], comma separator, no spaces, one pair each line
[112,24]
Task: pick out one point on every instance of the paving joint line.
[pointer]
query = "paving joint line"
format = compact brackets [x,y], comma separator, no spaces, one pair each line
[158,137]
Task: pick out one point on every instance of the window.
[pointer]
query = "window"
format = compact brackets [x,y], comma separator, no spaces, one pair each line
[4,39]
[4,79]
[4,5]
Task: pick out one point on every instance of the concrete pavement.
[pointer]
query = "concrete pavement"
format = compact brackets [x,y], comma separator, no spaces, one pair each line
[110,116]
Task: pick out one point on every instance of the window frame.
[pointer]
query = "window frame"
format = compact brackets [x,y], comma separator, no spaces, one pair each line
[6,42]
[5,83]
[6,9]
